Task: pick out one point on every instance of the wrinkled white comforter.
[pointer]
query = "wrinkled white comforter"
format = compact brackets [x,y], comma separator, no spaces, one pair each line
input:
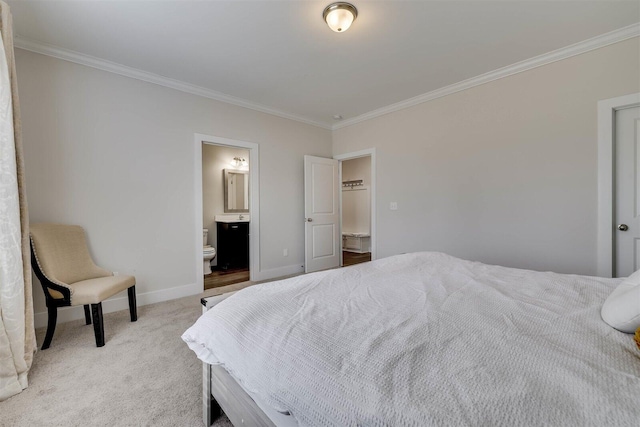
[427,339]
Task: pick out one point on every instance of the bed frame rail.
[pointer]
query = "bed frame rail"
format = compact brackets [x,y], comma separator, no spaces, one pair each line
[221,392]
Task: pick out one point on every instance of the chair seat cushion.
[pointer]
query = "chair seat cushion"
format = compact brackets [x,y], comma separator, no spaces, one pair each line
[93,291]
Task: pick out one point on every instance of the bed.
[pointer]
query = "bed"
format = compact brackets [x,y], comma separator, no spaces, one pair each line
[418,339]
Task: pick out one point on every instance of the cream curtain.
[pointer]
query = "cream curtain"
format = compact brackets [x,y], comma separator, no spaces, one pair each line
[17,336]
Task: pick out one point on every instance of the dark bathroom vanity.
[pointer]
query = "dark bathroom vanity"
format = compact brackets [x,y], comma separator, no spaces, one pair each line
[233,245]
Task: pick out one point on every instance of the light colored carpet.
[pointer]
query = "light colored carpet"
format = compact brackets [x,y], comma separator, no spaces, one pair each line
[145,374]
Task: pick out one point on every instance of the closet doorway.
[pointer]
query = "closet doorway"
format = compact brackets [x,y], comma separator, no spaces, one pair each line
[357,177]
[227,211]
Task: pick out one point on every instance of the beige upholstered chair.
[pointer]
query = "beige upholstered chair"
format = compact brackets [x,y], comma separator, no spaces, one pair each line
[69,277]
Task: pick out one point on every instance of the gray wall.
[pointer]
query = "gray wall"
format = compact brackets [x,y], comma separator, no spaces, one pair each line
[503,173]
[359,168]
[116,155]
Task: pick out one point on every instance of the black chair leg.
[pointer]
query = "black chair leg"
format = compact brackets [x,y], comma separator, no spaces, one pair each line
[98,327]
[51,326]
[133,310]
[87,314]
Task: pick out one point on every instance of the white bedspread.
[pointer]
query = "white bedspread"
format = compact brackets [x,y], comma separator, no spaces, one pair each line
[428,339]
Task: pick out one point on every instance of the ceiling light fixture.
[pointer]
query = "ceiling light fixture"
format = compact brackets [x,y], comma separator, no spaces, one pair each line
[339,16]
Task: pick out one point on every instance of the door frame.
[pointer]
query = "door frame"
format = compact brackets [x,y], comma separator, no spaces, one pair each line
[606,169]
[254,201]
[369,152]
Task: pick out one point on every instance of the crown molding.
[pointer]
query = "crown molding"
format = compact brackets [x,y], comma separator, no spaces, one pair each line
[519,67]
[134,73]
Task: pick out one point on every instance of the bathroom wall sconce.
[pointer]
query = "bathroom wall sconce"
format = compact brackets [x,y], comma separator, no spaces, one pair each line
[239,162]
[339,16]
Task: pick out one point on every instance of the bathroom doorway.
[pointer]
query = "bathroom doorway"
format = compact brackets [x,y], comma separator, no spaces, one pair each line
[225,215]
[357,174]
[226,211]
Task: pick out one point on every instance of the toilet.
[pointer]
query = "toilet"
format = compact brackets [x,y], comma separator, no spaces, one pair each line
[209,252]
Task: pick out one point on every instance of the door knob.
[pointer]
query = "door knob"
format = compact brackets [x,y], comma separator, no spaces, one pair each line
[309,219]
[623,227]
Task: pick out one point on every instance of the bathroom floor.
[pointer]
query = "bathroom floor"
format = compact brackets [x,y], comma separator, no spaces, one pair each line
[350,258]
[225,277]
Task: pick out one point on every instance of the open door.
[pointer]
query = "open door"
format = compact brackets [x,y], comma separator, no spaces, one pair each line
[322,214]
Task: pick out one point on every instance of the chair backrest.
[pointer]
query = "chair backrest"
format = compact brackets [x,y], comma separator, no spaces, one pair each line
[62,253]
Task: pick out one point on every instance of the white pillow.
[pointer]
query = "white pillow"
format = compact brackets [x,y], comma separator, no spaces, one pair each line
[621,309]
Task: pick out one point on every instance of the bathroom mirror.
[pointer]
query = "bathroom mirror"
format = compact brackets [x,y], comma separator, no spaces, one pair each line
[236,191]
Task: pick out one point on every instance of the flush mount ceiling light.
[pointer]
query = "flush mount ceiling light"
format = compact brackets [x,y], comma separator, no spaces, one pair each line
[339,16]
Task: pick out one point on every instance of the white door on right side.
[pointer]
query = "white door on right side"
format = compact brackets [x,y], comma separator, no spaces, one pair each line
[322,214]
[627,192]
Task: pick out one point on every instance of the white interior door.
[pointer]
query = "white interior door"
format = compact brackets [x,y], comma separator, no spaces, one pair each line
[322,214]
[627,191]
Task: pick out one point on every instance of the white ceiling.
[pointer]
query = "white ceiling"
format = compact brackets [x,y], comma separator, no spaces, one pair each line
[281,54]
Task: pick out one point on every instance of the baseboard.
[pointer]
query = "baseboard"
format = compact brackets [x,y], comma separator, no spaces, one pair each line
[273,273]
[118,302]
